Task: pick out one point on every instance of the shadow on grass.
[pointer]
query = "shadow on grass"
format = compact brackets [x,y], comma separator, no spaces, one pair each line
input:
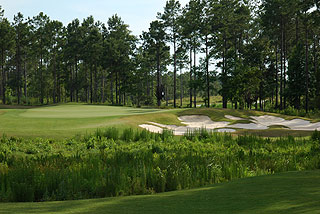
[293,192]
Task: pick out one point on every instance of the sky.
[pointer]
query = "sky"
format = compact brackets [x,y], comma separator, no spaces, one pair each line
[136,13]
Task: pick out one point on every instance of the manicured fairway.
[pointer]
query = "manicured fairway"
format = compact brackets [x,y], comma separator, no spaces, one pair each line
[293,192]
[83,111]
[65,120]
[68,120]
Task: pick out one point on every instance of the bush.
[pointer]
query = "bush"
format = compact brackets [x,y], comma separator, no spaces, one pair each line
[316,136]
[99,166]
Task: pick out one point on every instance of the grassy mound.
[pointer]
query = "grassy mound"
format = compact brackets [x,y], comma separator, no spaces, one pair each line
[292,192]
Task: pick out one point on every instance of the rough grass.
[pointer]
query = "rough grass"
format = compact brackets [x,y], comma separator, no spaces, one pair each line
[292,192]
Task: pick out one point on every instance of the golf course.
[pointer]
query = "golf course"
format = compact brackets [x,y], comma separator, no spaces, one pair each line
[246,171]
[68,120]
[175,106]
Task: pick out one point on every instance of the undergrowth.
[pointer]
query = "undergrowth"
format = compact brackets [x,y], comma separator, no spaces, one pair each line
[114,163]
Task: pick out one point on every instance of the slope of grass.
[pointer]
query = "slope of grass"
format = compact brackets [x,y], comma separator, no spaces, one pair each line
[64,120]
[292,192]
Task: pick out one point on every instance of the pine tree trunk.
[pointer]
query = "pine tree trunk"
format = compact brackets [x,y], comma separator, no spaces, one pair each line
[25,80]
[284,70]
[224,98]
[207,72]
[71,83]
[18,58]
[102,88]
[41,76]
[315,66]
[3,78]
[111,88]
[76,80]
[158,79]
[91,84]
[260,97]
[307,72]
[281,67]
[181,88]
[174,74]
[95,96]
[117,92]
[54,79]
[167,97]
[194,78]
[190,78]
[277,84]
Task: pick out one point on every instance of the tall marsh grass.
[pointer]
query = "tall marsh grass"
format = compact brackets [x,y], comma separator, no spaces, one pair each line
[114,163]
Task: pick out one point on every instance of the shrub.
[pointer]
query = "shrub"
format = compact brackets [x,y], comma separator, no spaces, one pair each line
[99,166]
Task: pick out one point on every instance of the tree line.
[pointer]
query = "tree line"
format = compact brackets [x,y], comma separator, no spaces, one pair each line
[252,53]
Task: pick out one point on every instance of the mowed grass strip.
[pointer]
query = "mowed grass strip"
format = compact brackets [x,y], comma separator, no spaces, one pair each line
[292,192]
[66,120]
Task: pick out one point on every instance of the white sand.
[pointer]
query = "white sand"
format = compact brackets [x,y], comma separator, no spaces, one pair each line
[196,122]
[200,121]
[295,124]
[250,126]
[226,130]
[151,128]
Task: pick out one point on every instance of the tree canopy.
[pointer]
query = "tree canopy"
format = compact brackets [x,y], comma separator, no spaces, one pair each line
[254,54]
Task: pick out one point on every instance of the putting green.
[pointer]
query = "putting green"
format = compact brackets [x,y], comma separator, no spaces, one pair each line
[66,120]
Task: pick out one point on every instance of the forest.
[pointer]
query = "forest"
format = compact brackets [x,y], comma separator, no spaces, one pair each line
[262,54]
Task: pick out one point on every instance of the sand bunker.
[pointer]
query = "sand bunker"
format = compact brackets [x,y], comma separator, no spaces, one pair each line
[226,130]
[192,122]
[295,124]
[196,122]
[201,121]
[249,126]
[151,128]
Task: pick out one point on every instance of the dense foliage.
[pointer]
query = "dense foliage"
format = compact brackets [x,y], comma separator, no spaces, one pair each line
[110,163]
[253,53]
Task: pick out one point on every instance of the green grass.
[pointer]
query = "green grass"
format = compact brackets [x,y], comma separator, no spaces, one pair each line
[292,192]
[66,120]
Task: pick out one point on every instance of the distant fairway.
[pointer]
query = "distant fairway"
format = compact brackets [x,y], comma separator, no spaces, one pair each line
[66,120]
[83,111]
[292,192]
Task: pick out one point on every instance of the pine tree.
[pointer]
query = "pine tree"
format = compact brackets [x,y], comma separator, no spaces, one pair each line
[7,43]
